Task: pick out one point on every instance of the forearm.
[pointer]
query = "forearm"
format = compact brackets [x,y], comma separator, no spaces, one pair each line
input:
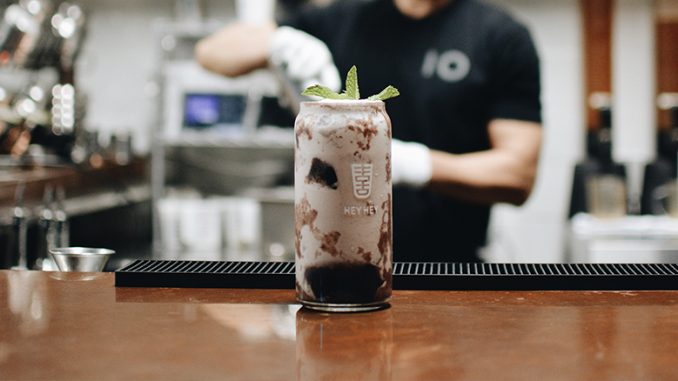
[504,173]
[236,49]
[484,177]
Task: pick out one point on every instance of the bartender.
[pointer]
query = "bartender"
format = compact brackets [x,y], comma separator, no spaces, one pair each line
[466,127]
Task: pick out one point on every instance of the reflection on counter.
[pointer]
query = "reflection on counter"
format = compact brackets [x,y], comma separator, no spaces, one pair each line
[324,345]
[247,334]
[246,319]
[27,301]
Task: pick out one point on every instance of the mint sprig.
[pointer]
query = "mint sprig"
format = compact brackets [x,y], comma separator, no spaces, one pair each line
[388,92]
[323,92]
[352,91]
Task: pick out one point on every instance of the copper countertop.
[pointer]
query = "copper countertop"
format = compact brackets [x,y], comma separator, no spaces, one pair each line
[56,326]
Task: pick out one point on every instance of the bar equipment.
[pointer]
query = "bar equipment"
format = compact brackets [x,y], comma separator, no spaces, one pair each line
[410,275]
[45,227]
[61,226]
[599,185]
[36,34]
[660,174]
[20,32]
[19,230]
[80,259]
[659,183]
[39,42]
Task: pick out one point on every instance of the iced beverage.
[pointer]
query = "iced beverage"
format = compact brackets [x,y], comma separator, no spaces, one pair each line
[342,186]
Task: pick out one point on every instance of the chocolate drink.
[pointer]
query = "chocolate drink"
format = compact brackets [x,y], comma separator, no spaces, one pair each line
[342,182]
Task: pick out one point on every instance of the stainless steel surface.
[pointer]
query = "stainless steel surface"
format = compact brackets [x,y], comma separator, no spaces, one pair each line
[277,212]
[631,239]
[20,228]
[231,169]
[290,91]
[68,25]
[36,33]
[81,259]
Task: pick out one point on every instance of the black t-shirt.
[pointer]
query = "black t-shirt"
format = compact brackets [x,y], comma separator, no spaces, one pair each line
[456,70]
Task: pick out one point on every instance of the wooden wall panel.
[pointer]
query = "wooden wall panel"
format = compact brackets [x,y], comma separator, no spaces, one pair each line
[597,34]
[667,53]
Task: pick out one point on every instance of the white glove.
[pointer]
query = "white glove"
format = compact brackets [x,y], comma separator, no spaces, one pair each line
[410,164]
[304,58]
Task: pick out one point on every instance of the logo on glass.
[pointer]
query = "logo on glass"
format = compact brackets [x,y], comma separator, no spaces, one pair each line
[362,180]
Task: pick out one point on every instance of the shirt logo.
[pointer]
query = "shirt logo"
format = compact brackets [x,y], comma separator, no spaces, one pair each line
[449,66]
[362,180]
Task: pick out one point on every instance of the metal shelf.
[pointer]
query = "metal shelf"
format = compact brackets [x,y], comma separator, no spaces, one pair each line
[284,139]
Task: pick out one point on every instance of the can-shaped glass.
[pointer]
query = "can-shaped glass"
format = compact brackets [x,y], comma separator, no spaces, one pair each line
[343,205]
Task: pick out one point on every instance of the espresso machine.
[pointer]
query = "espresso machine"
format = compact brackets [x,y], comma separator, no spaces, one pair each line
[40,109]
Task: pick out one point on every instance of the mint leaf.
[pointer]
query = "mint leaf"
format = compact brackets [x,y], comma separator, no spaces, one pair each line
[352,90]
[322,92]
[388,92]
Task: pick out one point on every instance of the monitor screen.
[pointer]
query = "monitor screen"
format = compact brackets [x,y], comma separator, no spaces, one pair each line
[202,111]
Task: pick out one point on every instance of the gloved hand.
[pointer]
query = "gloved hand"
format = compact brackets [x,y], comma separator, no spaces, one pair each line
[304,58]
[410,164]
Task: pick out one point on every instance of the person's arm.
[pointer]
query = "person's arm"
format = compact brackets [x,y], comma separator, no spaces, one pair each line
[240,48]
[505,173]
[236,49]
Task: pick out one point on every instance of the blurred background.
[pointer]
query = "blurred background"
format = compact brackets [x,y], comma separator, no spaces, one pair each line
[112,135]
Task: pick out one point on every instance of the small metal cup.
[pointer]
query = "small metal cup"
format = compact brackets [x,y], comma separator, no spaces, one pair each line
[80,259]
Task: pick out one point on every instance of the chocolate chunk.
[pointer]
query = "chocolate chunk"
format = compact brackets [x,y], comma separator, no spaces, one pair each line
[302,129]
[385,235]
[366,255]
[344,282]
[329,243]
[322,173]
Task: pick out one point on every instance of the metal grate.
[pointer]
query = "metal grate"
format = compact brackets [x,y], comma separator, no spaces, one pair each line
[411,275]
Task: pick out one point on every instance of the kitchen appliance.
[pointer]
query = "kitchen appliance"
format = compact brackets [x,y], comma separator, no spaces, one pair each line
[633,238]
[659,181]
[277,210]
[39,105]
[36,34]
[599,184]
[217,136]
[201,104]
[19,239]
[39,112]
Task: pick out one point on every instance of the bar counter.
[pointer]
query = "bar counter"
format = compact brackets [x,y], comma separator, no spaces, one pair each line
[78,326]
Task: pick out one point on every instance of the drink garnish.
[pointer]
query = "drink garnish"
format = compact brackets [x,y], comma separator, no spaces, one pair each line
[388,92]
[352,91]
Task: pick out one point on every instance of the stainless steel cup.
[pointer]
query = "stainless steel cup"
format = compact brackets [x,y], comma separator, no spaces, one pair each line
[80,259]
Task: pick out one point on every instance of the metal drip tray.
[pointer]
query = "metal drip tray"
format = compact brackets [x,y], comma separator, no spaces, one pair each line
[410,275]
